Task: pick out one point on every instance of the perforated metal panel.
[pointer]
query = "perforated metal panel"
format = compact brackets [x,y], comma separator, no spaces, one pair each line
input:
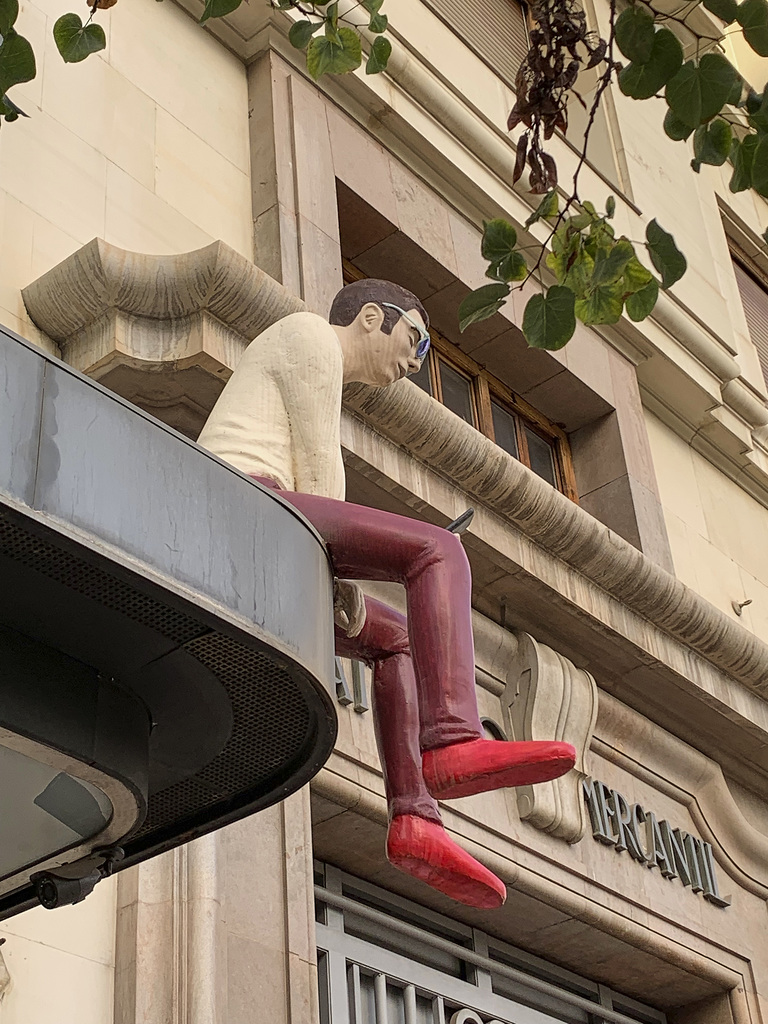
[271,730]
[275,727]
[89,580]
[495,29]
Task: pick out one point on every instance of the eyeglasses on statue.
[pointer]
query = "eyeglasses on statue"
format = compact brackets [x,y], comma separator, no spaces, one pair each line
[424,341]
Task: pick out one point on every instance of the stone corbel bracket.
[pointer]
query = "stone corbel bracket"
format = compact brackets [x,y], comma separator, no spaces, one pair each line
[165,332]
[548,698]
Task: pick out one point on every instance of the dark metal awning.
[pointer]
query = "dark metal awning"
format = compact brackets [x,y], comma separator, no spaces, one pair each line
[166,634]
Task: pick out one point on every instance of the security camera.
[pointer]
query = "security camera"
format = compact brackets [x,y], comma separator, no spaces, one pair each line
[56,891]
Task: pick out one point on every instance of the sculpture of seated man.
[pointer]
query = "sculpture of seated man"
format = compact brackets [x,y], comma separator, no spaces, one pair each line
[278,420]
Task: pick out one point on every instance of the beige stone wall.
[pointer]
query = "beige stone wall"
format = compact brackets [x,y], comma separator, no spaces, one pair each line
[716,531]
[61,963]
[144,145]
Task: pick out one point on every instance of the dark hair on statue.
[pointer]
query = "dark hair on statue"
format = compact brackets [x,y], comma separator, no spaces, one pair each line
[351,299]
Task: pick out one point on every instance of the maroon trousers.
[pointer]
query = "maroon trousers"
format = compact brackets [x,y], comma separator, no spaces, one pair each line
[423,667]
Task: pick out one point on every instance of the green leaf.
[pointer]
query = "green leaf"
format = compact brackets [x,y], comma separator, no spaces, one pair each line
[301,32]
[7,111]
[760,166]
[723,9]
[742,158]
[676,129]
[712,143]
[218,8]
[665,255]
[498,247]
[641,81]
[372,6]
[580,221]
[17,61]
[379,56]
[565,246]
[636,276]
[9,12]
[604,305]
[640,304]
[499,239]
[610,263]
[610,206]
[635,33]
[698,92]
[752,15]
[513,268]
[378,23]
[734,98]
[75,41]
[547,208]
[578,276]
[326,57]
[758,111]
[481,304]
[549,319]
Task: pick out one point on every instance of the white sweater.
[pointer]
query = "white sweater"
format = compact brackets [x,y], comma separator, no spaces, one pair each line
[279,414]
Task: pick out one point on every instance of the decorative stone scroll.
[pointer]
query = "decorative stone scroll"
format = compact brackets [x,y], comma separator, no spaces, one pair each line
[547,697]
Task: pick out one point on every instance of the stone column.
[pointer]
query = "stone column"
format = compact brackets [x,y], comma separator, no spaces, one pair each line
[221,931]
[270,916]
[295,214]
[170,958]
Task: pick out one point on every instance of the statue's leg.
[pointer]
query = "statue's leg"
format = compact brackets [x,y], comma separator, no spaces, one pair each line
[417,843]
[383,645]
[369,544]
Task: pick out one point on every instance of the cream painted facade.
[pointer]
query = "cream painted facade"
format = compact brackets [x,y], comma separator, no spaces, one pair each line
[193,155]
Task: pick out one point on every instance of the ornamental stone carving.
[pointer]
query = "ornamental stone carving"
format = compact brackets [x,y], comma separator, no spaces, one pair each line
[547,696]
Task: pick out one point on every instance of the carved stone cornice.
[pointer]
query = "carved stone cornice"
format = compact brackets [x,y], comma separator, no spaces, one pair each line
[162,331]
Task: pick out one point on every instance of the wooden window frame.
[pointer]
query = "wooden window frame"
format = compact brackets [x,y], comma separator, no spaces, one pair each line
[485,388]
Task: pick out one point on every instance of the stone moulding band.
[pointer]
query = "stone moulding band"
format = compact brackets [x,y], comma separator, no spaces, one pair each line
[219,281]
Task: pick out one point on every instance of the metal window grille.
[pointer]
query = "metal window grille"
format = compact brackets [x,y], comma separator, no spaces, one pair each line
[384,960]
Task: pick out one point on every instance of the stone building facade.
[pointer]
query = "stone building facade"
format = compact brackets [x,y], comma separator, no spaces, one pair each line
[618,548]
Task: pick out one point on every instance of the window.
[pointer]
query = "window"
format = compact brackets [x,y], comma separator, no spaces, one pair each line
[479,398]
[754,298]
[384,960]
[496,30]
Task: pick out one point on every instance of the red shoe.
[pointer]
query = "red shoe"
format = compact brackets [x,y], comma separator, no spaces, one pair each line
[477,766]
[423,849]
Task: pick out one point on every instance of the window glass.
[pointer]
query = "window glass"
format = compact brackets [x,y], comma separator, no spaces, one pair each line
[504,428]
[542,457]
[422,377]
[457,394]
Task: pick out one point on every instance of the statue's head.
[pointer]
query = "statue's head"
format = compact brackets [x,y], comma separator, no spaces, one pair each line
[386,329]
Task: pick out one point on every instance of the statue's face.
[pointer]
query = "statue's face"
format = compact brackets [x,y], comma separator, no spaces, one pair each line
[388,357]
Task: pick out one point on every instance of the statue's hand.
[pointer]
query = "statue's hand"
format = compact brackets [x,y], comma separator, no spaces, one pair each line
[348,607]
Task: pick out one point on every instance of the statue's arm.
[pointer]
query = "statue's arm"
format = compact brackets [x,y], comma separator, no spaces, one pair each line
[310,374]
